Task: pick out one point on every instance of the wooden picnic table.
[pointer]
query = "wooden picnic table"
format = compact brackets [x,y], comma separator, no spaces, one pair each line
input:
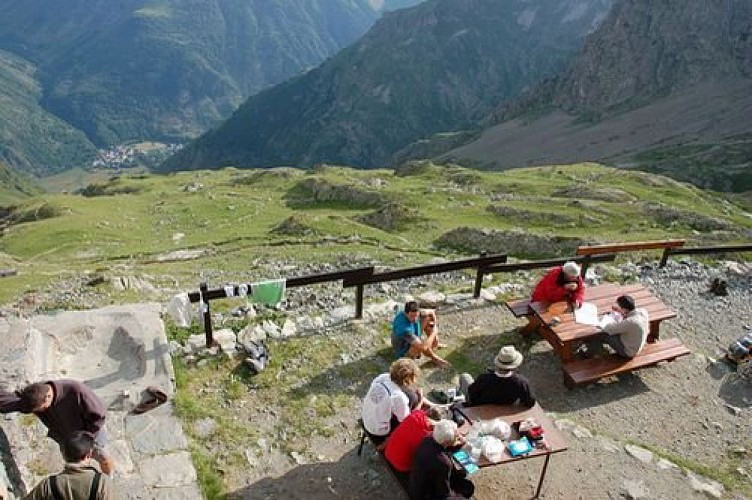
[567,334]
[554,439]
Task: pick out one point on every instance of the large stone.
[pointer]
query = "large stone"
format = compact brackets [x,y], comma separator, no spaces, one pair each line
[289,329]
[271,329]
[711,488]
[154,433]
[168,471]
[340,315]
[196,342]
[634,490]
[226,339]
[641,454]
[431,299]
[252,333]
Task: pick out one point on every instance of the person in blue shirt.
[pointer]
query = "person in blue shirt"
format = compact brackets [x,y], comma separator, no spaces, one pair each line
[413,336]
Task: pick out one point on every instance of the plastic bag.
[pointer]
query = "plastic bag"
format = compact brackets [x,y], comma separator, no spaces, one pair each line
[492,449]
[496,427]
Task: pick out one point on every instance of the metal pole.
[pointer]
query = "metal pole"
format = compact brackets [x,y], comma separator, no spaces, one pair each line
[542,476]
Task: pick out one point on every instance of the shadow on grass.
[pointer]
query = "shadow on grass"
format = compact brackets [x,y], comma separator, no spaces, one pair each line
[351,476]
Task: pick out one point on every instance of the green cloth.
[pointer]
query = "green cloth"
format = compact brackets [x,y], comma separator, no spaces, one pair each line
[269,292]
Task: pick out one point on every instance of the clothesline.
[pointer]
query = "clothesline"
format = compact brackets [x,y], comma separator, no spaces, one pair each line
[268,292]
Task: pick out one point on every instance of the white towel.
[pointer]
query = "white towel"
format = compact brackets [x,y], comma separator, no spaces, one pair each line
[180,310]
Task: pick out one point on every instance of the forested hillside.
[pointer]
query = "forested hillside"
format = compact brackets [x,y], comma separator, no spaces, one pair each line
[30,137]
[159,70]
[442,65]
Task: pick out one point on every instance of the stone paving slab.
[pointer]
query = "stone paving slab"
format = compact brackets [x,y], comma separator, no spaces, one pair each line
[118,351]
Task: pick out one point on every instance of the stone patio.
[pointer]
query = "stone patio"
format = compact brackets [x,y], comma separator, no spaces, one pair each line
[118,351]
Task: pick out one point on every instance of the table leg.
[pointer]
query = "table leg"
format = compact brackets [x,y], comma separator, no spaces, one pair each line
[654,334]
[566,353]
[542,476]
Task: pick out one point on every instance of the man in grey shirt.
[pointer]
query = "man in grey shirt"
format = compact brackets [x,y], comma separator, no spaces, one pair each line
[627,335]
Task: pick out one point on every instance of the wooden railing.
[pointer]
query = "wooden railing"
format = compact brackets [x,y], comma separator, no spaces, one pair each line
[585,260]
[485,264]
[350,278]
[747,247]
[632,246]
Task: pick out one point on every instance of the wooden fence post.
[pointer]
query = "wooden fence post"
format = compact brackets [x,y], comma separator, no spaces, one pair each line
[664,257]
[478,282]
[203,288]
[479,278]
[359,301]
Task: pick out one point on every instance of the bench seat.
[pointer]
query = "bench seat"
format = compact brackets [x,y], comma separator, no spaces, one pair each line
[519,307]
[582,371]
[400,479]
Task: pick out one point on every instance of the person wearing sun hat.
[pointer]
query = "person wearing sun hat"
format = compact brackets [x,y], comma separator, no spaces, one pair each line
[501,385]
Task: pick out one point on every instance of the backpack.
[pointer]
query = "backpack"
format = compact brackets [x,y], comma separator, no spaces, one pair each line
[257,356]
[741,348]
[58,495]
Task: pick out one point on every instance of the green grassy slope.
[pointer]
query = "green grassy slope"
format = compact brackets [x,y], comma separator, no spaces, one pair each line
[31,139]
[234,217]
[15,187]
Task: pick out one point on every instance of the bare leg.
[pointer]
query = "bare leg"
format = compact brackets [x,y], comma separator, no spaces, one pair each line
[424,347]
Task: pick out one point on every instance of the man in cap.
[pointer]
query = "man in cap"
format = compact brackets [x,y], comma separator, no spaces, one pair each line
[561,283]
[501,385]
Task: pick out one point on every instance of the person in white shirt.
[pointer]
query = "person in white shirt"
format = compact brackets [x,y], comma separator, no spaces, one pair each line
[390,398]
[627,335]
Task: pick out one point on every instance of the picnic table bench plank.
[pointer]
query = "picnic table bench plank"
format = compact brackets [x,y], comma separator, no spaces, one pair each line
[582,371]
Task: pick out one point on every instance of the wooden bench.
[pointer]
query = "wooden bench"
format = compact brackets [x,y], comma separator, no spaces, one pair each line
[631,247]
[582,371]
[519,307]
[401,479]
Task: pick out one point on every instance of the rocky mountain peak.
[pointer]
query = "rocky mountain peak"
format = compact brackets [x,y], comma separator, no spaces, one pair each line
[647,49]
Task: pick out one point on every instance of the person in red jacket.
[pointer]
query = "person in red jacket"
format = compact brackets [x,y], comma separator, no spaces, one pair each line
[402,443]
[562,283]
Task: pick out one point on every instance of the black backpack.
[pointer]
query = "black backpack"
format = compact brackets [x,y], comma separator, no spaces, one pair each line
[257,356]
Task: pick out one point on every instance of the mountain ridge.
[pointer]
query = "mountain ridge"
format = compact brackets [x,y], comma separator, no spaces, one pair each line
[661,86]
[434,67]
[167,70]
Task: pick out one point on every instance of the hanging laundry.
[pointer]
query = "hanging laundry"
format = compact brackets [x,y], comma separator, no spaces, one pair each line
[180,310]
[229,291]
[269,292]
